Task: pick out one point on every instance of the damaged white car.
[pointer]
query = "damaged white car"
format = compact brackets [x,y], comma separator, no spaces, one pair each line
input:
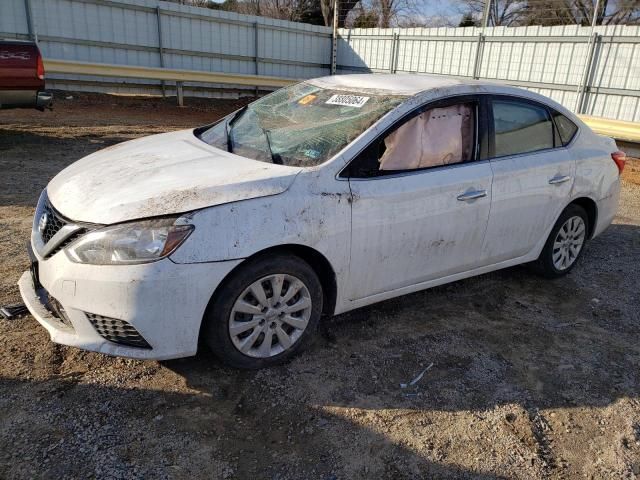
[322,197]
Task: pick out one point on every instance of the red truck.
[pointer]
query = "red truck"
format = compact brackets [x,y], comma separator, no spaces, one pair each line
[22,76]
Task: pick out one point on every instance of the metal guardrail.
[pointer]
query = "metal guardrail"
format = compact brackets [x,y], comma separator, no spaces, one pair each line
[165,74]
[620,130]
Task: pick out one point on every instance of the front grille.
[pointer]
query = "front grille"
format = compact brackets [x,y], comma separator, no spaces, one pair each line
[49,222]
[54,223]
[117,331]
[66,242]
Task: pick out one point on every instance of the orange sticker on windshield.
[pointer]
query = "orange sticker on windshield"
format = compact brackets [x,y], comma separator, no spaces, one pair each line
[307,99]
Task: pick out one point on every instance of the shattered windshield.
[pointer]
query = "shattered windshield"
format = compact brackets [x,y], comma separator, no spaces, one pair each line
[301,125]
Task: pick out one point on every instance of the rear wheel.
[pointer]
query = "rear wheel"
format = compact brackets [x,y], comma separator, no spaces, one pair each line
[266,312]
[565,243]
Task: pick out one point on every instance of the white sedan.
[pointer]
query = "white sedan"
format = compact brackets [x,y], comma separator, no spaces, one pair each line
[325,196]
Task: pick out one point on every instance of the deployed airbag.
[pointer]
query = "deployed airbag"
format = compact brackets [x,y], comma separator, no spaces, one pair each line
[439,136]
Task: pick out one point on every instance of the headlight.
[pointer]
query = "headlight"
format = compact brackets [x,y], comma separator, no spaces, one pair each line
[135,242]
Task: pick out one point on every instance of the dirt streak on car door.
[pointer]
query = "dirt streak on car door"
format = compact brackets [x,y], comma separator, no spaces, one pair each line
[410,228]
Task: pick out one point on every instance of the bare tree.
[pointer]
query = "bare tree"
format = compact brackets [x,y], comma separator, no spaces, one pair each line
[403,13]
[502,12]
[362,17]
[581,12]
[553,12]
[381,13]
[410,12]
[344,7]
[387,10]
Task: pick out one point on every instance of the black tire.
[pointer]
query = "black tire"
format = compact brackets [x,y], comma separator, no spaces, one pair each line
[544,265]
[215,329]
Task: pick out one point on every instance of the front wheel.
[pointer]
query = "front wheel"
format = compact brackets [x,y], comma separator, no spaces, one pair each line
[266,312]
[565,243]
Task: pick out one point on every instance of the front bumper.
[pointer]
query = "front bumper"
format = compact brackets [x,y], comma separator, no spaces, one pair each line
[164,301]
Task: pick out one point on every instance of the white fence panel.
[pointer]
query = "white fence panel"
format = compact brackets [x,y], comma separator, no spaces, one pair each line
[549,60]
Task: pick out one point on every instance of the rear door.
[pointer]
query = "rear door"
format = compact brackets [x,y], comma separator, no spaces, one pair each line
[532,176]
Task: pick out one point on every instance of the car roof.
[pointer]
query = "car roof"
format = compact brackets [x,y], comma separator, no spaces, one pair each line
[393,83]
[415,84]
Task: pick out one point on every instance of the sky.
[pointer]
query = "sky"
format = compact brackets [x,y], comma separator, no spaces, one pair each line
[449,9]
[441,7]
[430,8]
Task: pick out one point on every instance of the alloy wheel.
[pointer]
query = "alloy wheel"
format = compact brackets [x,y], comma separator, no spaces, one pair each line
[270,315]
[568,243]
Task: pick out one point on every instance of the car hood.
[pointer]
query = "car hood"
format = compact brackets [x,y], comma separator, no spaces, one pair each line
[160,175]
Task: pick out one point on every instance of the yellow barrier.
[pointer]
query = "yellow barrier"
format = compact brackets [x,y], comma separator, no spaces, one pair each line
[618,129]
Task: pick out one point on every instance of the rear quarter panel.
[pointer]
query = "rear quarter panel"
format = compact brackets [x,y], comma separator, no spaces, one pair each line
[596,173]
[597,176]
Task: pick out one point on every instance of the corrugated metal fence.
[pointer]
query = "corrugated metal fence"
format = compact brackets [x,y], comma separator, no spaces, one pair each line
[153,33]
[596,72]
[592,72]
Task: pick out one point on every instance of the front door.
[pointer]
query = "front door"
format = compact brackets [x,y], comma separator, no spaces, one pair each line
[421,201]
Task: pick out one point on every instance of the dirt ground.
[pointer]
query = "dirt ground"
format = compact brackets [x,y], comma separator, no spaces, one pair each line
[531,378]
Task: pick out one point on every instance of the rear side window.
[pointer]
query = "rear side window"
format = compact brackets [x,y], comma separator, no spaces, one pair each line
[566,128]
[521,127]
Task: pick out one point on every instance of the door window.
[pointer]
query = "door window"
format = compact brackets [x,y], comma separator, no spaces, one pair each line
[434,137]
[521,127]
[566,128]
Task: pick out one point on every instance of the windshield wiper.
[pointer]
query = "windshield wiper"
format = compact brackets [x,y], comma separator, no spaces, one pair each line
[275,157]
[229,126]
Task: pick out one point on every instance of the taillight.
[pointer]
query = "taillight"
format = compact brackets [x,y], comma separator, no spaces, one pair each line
[40,68]
[620,158]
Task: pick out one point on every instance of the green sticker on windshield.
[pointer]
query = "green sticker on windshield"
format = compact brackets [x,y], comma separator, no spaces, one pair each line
[310,153]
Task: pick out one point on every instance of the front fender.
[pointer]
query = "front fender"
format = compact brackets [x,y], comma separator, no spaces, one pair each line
[306,214]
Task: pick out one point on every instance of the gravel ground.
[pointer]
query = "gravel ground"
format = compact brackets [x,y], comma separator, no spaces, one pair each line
[530,379]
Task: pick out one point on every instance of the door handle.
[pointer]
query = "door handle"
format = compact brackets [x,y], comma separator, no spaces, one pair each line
[472,195]
[559,179]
